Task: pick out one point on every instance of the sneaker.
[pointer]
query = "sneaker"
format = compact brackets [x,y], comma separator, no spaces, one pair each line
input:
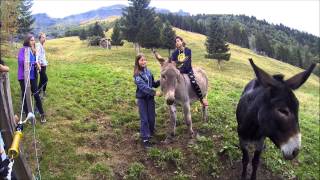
[43,118]
[146,144]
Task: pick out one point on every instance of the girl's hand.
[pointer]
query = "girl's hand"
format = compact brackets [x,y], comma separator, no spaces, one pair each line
[38,66]
[158,93]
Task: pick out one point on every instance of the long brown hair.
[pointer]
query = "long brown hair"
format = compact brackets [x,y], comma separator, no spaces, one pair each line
[137,67]
[28,44]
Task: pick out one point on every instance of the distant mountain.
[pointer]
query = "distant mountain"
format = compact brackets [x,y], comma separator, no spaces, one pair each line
[182,13]
[57,26]
[97,14]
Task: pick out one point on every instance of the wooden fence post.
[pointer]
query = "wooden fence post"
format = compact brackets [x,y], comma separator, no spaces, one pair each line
[7,126]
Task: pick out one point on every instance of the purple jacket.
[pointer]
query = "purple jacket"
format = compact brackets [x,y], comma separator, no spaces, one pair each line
[21,58]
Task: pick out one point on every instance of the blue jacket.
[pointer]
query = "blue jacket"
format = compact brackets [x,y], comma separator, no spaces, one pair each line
[145,82]
[183,60]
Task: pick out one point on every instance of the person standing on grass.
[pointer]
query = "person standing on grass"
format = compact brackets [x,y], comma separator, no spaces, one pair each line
[182,58]
[41,59]
[28,53]
[145,93]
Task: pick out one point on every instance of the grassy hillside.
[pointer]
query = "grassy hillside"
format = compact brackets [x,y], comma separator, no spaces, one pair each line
[93,124]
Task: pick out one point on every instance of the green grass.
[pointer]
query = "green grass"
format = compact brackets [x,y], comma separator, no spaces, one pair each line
[91,103]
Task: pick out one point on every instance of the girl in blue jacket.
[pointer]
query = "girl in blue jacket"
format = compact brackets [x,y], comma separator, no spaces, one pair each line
[145,93]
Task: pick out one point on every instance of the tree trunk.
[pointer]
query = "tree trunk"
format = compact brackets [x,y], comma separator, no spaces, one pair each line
[169,52]
[219,66]
[139,50]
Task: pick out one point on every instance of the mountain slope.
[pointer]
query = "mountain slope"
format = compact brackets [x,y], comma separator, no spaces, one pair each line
[93,123]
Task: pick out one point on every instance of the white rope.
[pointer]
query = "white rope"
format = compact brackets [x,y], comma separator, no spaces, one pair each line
[35,147]
[10,165]
[39,89]
[24,94]
[30,116]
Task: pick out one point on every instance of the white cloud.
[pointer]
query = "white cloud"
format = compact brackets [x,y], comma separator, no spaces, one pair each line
[299,14]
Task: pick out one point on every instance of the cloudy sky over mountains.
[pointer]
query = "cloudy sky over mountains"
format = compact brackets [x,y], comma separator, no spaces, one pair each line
[299,14]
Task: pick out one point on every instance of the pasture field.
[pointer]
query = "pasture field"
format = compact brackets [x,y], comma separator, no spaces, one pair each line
[92,129]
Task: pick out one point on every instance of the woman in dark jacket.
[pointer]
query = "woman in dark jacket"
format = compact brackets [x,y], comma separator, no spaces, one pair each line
[145,95]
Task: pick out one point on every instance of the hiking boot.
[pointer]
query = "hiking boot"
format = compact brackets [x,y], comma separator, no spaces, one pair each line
[146,144]
[43,118]
[169,139]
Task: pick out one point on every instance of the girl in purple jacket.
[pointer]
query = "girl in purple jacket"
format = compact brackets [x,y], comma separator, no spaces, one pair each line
[28,53]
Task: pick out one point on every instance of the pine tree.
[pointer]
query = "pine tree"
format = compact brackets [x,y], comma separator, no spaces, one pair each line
[282,53]
[295,57]
[263,45]
[216,46]
[82,34]
[168,37]
[149,33]
[97,30]
[132,20]
[25,19]
[115,37]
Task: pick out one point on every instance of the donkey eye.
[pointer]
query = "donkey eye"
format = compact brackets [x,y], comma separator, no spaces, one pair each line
[163,77]
[283,111]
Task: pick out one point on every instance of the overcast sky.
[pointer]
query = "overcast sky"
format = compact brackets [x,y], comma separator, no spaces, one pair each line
[298,14]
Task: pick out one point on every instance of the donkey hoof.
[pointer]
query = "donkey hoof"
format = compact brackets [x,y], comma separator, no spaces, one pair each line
[168,140]
[191,142]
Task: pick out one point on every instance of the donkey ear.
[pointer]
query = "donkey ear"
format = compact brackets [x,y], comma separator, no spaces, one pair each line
[158,57]
[264,78]
[297,80]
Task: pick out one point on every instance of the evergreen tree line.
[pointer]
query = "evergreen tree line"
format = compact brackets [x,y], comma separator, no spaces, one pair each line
[95,33]
[276,41]
[141,25]
[16,19]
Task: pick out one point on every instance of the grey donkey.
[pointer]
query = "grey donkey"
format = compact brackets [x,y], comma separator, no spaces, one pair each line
[177,89]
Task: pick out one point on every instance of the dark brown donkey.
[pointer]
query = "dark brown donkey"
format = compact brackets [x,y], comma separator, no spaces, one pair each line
[269,108]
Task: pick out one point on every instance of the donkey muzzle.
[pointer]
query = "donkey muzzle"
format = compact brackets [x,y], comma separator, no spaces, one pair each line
[170,97]
[291,148]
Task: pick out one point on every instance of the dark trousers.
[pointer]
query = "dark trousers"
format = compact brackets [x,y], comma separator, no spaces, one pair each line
[35,92]
[147,117]
[195,85]
[43,79]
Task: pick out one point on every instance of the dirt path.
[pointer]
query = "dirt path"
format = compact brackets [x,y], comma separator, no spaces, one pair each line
[123,148]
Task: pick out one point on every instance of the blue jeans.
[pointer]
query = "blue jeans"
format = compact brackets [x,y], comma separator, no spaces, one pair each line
[147,117]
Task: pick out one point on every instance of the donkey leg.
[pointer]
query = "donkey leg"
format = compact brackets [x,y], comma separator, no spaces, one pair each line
[245,159]
[255,163]
[259,147]
[245,162]
[172,126]
[205,113]
[187,118]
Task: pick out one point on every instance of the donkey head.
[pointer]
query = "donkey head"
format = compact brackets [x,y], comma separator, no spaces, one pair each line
[278,109]
[169,77]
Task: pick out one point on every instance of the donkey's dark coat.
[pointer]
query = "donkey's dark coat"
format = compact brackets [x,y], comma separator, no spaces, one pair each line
[269,108]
